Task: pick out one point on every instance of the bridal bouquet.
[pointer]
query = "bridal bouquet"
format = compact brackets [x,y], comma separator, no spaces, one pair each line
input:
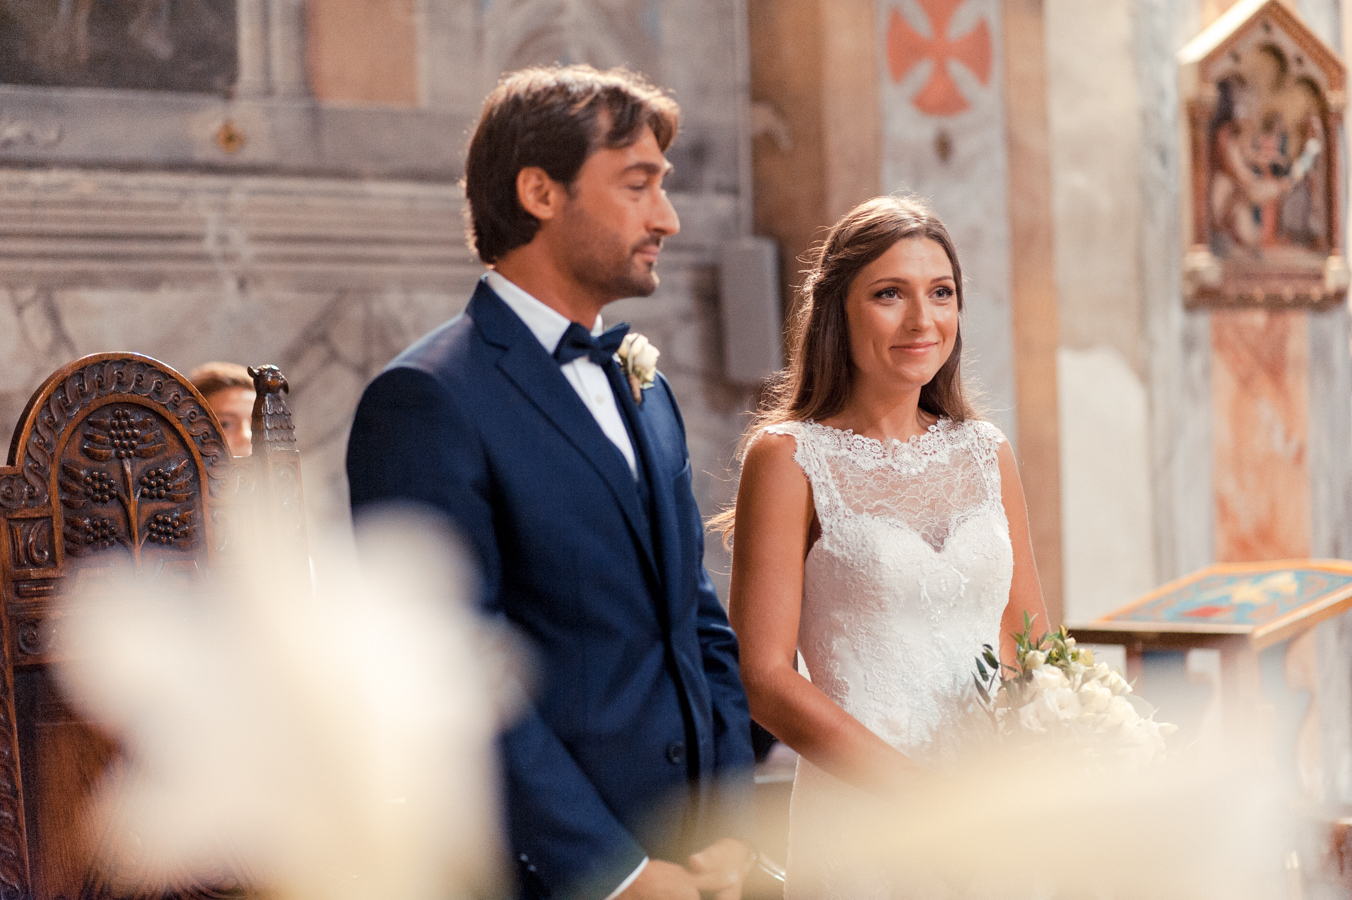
[1057,691]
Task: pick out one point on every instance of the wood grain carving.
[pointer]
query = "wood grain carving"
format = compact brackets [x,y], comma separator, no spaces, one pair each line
[116,456]
[277,462]
[80,386]
[129,482]
[14,882]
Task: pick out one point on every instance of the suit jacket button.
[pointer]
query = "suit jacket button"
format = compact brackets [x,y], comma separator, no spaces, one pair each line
[676,753]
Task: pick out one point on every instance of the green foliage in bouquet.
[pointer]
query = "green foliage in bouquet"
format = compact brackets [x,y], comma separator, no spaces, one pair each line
[1058,689]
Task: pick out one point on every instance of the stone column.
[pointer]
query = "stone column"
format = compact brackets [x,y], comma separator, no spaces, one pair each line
[251,22]
[815,124]
[286,30]
[1330,442]
[448,73]
[1033,289]
[1178,358]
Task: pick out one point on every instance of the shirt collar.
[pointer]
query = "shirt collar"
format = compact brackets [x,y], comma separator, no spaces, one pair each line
[545,322]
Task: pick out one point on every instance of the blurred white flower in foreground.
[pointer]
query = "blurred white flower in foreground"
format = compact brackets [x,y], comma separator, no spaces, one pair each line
[333,744]
[1016,826]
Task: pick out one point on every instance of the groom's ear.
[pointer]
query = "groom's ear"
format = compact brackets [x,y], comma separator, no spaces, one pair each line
[538,194]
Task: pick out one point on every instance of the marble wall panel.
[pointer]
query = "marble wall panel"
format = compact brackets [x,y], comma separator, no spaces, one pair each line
[1096,141]
[1260,379]
[1330,336]
[1177,354]
[362,51]
[327,279]
[1107,502]
[954,155]
[1107,513]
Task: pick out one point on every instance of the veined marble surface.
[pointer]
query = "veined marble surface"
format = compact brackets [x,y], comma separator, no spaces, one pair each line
[326,279]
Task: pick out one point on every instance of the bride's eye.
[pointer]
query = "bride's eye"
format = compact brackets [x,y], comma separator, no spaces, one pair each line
[887,294]
[943,292]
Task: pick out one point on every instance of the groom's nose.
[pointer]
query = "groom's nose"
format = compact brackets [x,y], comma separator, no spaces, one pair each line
[664,219]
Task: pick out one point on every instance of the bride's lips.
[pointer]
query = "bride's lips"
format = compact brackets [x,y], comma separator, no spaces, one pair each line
[920,347]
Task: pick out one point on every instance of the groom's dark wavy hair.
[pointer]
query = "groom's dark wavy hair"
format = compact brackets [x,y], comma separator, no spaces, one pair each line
[552,117]
[817,381]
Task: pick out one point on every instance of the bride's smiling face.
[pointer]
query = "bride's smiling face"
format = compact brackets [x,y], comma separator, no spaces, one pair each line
[902,311]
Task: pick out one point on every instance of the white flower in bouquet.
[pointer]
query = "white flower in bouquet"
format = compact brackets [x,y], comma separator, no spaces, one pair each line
[1048,678]
[1058,705]
[1030,719]
[1057,689]
[1121,712]
[1095,696]
[1117,684]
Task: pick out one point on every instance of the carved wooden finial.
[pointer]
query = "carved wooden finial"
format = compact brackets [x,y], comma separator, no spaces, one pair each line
[272,426]
[276,461]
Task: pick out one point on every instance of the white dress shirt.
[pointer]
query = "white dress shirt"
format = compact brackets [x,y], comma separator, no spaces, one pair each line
[586,377]
[591,384]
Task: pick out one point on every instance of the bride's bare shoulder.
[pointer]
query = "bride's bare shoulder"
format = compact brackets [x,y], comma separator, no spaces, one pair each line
[773,454]
[774,492]
[774,444]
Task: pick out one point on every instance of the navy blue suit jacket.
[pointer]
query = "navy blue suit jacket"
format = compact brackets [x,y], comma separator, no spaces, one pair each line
[639,713]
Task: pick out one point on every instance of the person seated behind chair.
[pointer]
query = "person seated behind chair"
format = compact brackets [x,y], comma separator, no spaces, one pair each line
[229,391]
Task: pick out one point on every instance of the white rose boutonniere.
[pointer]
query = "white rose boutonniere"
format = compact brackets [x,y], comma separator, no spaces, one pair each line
[638,358]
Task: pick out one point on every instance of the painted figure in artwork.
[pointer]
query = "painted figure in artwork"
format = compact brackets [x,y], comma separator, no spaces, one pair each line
[149,28]
[1266,139]
[158,45]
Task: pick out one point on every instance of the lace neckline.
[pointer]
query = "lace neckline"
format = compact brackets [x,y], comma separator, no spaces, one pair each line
[882,448]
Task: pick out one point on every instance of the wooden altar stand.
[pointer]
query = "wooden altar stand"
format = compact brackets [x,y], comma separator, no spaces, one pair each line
[1239,609]
[1242,610]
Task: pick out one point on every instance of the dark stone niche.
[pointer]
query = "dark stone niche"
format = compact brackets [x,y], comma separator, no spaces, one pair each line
[184,46]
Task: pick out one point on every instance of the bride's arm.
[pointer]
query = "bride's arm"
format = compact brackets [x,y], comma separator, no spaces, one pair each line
[1025,592]
[774,518]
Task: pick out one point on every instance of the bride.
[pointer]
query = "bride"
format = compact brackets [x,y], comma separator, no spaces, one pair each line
[880,532]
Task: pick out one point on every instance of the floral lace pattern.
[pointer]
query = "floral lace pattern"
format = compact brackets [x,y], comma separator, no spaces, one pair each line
[909,578]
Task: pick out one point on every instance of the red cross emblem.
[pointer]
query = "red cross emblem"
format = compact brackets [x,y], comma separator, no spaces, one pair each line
[907,48]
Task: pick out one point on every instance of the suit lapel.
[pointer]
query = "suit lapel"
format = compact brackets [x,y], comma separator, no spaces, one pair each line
[659,484]
[535,373]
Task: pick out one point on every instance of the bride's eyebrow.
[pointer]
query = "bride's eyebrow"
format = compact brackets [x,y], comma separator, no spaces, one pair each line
[889,279]
[897,279]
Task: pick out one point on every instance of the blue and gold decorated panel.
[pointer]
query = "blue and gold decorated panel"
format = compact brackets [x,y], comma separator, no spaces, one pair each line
[1269,600]
[1238,598]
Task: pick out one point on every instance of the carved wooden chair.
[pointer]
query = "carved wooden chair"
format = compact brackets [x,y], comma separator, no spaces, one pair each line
[116,458]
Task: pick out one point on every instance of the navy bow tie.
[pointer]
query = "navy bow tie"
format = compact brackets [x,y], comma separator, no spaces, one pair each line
[578,341]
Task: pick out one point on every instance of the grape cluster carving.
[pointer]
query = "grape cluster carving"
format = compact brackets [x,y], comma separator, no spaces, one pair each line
[124,434]
[167,529]
[152,492]
[155,484]
[99,486]
[96,534]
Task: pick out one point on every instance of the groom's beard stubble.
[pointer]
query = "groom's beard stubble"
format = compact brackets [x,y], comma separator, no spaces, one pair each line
[614,276]
[605,260]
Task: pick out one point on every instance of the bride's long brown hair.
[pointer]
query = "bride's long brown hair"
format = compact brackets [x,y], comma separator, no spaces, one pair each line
[817,381]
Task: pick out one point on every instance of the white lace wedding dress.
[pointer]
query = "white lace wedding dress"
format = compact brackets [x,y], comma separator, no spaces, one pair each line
[908,579]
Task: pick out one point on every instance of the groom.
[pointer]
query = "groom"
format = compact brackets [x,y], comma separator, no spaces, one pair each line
[572,484]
